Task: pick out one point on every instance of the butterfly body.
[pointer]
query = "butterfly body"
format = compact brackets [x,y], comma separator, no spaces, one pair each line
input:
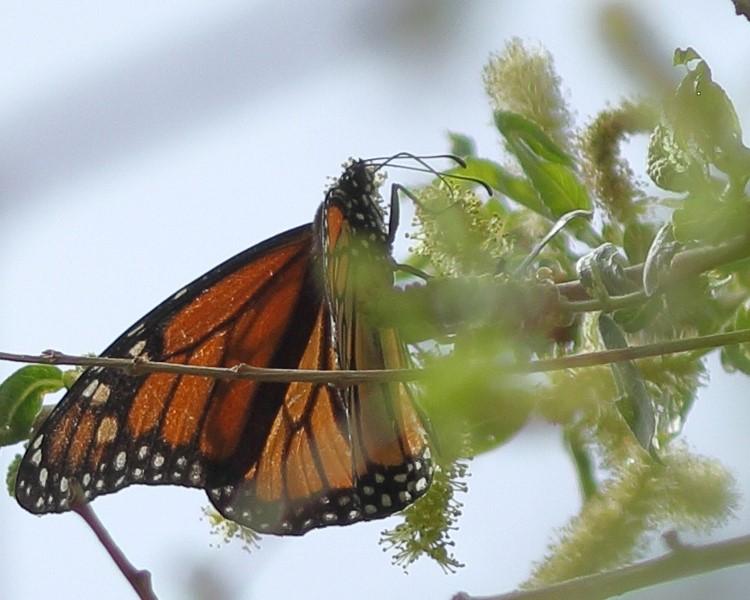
[279,458]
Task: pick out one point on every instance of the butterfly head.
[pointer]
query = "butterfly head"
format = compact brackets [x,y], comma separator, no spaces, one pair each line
[356,194]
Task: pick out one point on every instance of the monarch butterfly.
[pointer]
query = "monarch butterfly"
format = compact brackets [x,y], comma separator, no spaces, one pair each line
[279,458]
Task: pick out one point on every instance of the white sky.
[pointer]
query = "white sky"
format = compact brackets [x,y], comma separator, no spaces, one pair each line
[144,143]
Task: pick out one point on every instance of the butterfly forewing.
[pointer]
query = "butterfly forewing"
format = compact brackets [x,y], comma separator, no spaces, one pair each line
[112,429]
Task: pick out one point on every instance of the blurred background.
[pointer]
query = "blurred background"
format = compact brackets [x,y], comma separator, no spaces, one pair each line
[144,143]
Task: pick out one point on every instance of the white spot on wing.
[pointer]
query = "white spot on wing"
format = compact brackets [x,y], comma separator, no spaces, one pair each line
[36,458]
[90,388]
[101,395]
[135,330]
[107,431]
[137,348]
[120,461]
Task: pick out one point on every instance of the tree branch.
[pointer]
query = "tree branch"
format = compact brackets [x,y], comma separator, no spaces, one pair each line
[139,579]
[442,305]
[682,561]
[344,378]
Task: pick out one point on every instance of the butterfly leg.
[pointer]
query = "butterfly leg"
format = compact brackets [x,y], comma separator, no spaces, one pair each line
[393,217]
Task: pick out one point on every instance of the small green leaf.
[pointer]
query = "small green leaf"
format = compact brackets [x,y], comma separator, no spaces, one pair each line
[635,404]
[557,185]
[514,126]
[462,145]
[683,57]
[10,477]
[583,461]
[710,220]
[514,187]
[703,115]
[21,399]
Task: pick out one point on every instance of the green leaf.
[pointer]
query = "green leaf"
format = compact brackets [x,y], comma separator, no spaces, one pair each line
[514,187]
[557,185]
[701,113]
[462,145]
[710,220]
[683,57]
[10,476]
[21,399]
[635,404]
[514,126]
[548,166]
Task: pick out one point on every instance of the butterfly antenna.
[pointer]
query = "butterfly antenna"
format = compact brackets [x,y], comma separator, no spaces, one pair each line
[420,158]
[559,225]
[427,168]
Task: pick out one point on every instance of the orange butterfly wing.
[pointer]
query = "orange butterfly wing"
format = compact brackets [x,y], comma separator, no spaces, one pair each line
[112,429]
[279,458]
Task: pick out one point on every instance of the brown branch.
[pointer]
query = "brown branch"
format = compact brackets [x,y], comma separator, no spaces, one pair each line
[345,378]
[443,305]
[682,561]
[139,579]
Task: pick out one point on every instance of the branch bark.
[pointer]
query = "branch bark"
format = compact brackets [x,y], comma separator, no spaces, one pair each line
[345,378]
[682,561]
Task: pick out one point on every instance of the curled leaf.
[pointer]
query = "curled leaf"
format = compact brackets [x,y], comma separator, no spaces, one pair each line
[659,259]
[602,272]
[21,399]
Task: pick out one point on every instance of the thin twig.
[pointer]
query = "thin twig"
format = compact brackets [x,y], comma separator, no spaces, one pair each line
[345,378]
[682,561]
[139,579]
